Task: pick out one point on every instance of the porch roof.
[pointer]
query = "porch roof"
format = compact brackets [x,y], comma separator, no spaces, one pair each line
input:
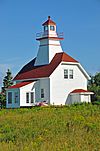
[81,91]
[18,85]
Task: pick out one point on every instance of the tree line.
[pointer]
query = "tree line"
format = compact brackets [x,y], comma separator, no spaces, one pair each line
[94,86]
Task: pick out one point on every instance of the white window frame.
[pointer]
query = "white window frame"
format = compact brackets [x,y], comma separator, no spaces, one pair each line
[32,98]
[65,73]
[68,74]
[27,97]
[46,28]
[42,93]
[16,97]
[71,74]
[10,101]
[52,27]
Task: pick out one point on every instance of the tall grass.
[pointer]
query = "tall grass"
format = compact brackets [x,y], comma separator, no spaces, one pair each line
[72,128]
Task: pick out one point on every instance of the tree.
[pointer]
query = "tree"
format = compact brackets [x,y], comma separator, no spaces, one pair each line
[97,79]
[7,81]
[94,85]
[2,100]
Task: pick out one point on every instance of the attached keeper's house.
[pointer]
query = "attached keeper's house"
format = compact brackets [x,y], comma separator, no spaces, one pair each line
[53,76]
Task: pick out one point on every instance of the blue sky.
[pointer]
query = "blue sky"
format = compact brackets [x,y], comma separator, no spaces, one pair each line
[20,20]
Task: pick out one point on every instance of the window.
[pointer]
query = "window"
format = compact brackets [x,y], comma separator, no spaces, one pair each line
[27,97]
[42,93]
[9,97]
[32,97]
[65,74]
[52,28]
[16,97]
[45,28]
[68,73]
[71,74]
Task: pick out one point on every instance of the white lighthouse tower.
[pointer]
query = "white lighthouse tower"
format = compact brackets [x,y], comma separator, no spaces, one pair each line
[49,43]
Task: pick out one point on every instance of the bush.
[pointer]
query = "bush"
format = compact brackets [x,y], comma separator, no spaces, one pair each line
[2,100]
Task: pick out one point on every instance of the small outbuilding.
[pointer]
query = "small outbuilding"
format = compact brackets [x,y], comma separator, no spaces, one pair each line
[79,96]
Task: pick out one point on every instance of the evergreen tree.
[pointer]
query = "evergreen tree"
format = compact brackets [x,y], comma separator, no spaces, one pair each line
[2,100]
[7,81]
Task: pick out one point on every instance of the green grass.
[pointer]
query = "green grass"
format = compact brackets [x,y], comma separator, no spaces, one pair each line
[72,128]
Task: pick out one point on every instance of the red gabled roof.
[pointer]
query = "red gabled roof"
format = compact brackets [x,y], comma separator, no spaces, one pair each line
[44,70]
[49,22]
[67,58]
[19,85]
[79,91]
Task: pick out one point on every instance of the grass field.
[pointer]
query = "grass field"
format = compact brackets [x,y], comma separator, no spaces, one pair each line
[70,128]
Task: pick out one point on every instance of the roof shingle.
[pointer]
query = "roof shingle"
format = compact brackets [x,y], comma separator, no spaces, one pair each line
[49,22]
[44,70]
[79,91]
[19,85]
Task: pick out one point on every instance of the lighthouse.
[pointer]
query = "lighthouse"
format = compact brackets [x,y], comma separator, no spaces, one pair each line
[49,43]
[52,76]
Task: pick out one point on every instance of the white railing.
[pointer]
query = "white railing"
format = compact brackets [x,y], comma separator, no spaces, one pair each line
[43,34]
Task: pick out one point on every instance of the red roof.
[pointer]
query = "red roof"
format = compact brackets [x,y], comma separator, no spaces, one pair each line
[55,38]
[19,85]
[79,91]
[44,70]
[49,22]
[67,58]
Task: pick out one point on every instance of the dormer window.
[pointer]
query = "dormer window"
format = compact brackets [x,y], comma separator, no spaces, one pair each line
[52,28]
[45,28]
